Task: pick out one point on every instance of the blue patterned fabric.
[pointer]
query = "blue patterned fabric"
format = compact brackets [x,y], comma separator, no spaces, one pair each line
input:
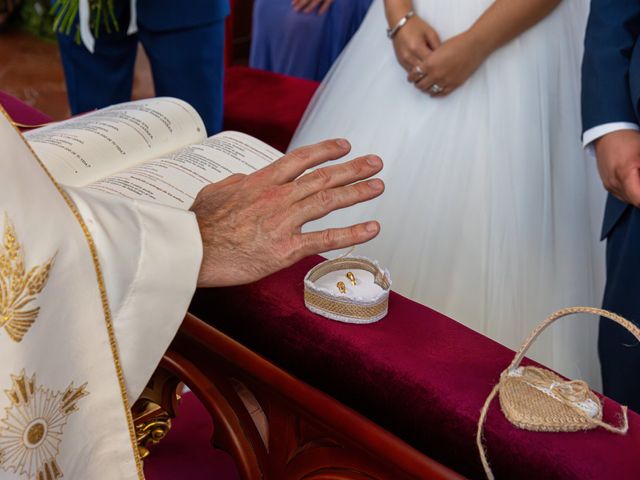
[299,44]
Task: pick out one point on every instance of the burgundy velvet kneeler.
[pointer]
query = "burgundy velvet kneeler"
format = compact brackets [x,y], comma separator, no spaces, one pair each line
[20,112]
[417,373]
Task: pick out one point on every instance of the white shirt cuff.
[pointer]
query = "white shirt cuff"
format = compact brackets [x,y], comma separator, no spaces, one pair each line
[595,133]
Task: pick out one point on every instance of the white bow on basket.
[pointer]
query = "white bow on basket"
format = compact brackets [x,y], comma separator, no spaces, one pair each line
[536,399]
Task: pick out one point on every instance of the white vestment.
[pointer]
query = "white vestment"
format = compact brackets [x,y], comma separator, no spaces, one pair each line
[91,293]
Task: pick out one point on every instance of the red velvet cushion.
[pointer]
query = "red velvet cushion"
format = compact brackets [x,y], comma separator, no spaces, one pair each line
[267,105]
[20,112]
[417,373]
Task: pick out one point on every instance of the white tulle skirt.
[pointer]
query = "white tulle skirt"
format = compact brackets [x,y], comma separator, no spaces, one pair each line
[492,209]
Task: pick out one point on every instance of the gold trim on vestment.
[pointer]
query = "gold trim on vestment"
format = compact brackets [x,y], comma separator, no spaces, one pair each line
[103,297]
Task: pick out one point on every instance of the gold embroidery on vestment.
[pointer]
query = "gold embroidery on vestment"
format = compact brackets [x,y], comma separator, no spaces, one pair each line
[18,287]
[103,297]
[32,429]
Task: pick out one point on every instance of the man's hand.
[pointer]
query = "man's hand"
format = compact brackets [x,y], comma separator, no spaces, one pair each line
[618,156]
[310,6]
[251,224]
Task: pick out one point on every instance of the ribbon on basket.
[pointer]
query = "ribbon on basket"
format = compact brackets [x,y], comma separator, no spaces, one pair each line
[537,399]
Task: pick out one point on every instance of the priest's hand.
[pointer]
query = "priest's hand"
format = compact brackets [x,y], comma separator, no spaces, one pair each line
[251,225]
[618,155]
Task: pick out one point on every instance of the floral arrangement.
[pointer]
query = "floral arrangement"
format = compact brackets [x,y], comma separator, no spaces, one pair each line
[34,17]
[66,14]
[31,15]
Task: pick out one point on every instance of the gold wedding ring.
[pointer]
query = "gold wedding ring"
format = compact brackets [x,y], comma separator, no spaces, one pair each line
[341,286]
[352,278]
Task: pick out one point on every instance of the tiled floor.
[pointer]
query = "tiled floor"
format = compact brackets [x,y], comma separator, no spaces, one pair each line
[30,69]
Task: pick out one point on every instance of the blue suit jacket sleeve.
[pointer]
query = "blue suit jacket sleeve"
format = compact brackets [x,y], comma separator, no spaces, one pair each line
[612,34]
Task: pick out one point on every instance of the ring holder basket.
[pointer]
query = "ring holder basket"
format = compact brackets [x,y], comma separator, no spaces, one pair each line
[348,308]
[536,399]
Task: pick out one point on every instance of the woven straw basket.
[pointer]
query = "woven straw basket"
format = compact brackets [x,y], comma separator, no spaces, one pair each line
[537,399]
[344,308]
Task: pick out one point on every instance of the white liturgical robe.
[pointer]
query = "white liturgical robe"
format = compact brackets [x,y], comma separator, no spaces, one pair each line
[92,290]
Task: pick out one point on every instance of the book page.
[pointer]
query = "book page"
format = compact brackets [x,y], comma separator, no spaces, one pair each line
[89,147]
[176,179]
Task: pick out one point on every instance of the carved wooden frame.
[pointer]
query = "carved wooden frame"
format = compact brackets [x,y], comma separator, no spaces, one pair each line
[311,436]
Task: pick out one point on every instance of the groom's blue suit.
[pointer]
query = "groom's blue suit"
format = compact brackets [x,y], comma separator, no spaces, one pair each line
[184,42]
[611,94]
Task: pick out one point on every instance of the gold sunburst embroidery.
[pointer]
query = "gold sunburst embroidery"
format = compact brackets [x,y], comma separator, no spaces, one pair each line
[32,429]
[18,287]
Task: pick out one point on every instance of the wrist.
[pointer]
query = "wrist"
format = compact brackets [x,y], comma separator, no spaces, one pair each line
[479,42]
[393,31]
[395,10]
[611,138]
[615,141]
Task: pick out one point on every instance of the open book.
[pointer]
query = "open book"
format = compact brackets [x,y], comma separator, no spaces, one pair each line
[154,149]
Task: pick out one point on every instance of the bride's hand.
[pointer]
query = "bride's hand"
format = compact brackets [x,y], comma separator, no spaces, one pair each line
[448,67]
[414,43]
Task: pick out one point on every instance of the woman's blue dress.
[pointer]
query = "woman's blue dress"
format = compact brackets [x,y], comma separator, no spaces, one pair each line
[300,44]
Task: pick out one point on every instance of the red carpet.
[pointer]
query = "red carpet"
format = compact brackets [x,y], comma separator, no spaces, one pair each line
[186,452]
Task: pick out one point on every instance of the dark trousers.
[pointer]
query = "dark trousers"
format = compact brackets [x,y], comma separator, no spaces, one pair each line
[619,350]
[186,63]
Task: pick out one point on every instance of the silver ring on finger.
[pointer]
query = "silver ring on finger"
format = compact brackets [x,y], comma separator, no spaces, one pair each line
[435,89]
[419,72]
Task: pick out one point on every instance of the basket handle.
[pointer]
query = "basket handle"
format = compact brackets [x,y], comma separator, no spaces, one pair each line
[564,313]
[520,355]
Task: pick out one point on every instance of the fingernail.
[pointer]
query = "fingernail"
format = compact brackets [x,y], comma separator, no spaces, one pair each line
[374,161]
[376,184]
[371,227]
[342,143]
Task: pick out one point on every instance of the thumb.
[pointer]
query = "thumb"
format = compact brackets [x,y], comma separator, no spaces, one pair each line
[631,186]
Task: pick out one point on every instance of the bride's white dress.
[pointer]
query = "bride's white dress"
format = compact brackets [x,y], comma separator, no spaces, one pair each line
[492,209]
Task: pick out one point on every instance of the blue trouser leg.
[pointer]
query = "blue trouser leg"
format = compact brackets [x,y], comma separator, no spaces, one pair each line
[189,64]
[619,350]
[105,77]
